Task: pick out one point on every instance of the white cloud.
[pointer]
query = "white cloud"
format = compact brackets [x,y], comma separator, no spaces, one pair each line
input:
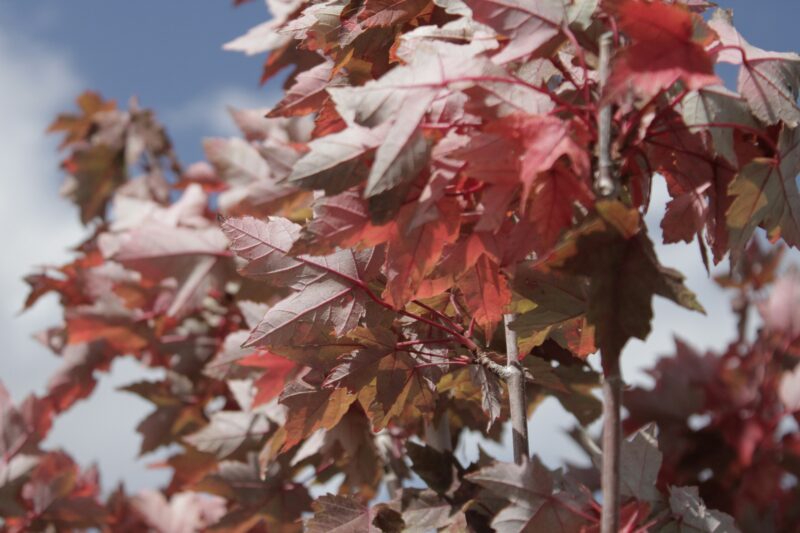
[37,225]
[37,228]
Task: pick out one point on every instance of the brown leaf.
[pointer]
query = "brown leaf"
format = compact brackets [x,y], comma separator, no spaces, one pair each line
[310,409]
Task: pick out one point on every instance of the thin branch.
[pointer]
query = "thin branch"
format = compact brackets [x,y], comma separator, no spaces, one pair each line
[501,371]
[605,185]
[516,394]
[454,362]
[415,342]
[612,439]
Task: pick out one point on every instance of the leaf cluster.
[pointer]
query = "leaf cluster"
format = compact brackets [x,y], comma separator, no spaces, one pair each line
[326,289]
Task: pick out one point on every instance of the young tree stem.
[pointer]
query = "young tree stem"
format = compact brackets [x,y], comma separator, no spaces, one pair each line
[515,381]
[612,437]
[606,185]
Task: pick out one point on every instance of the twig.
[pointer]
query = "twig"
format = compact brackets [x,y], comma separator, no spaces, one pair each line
[501,371]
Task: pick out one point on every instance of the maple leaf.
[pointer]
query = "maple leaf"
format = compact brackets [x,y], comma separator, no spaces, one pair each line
[624,275]
[14,473]
[439,470]
[356,369]
[184,512]
[663,50]
[256,500]
[318,26]
[486,293]
[692,514]
[329,290]
[544,140]
[95,172]
[350,446]
[310,409]
[384,378]
[100,322]
[254,174]
[78,127]
[687,371]
[685,216]
[307,94]
[341,514]
[765,194]
[339,221]
[558,301]
[400,99]
[554,195]
[227,431]
[404,149]
[225,364]
[711,105]
[398,386]
[236,160]
[177,242]
[270,133]
[276,371]
[526,26]
[640,464]
[412,252]
[373,14]
[428,512]
[336,162]
[534,500]
[768,81]
[61,495]
[23,427]
[265,37]
[75,379]
[175,415]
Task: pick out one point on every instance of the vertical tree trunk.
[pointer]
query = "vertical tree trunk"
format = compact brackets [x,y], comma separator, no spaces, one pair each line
[606,186]
[515,381]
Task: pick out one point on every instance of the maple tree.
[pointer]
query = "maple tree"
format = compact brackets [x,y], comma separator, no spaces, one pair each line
[436,225]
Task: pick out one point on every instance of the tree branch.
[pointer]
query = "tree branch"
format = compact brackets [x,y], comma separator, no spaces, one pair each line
[515,381]
[607,186]
[612,439]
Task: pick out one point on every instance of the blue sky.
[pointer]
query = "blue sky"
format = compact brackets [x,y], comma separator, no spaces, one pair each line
[169,54]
